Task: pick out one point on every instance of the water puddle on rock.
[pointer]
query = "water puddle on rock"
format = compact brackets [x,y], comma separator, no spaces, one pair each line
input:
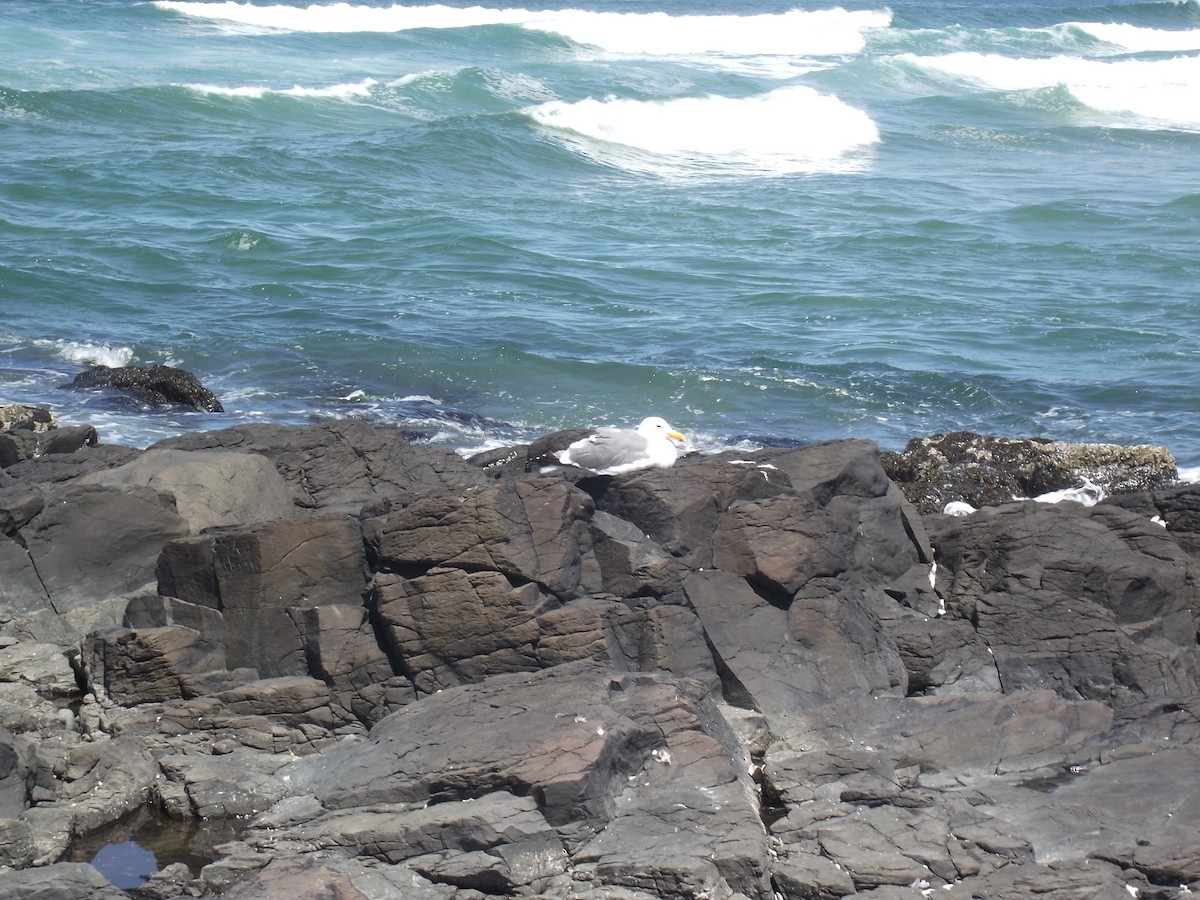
[128,851]
[1047,783]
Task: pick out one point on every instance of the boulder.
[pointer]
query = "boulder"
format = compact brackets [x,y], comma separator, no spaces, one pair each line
[637,767]
[342,465]
[1095,603]
[532,531]
[256,576]
[89,784]
[780,660]
[150,665]
[43,666]
[453,627]
[234,785]
[558,738]
[62,881]
[57,468]
[1175,509]
[156,385]
[678,508]
[67,547]
[210,488]
[325,875]
[20,445]
[295,715]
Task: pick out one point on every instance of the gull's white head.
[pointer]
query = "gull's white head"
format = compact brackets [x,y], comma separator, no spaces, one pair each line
[655,426]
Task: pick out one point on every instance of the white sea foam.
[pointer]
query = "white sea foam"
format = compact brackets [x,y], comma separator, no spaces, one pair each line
[793,129]
[831,31]
[1190,475]
[1162,91]
[1088,494]
[91,354]
[1134,39]
[336,91]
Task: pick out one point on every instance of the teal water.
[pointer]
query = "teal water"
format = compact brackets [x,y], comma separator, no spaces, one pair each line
[483,222]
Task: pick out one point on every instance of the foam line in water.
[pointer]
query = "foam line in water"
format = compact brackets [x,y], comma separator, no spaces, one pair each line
[793,129]
[336,91]
[1163,90]
[830,31]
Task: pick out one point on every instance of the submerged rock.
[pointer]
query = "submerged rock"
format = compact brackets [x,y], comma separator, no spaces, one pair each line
[155,384]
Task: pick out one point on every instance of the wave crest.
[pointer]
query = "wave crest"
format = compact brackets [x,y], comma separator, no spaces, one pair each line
[831,31]
[793,129]
[1160,90]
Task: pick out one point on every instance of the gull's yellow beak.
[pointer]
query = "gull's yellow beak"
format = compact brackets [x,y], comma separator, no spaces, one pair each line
[676,436]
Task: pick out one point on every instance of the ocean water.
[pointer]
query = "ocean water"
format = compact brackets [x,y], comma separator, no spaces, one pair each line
[482,222]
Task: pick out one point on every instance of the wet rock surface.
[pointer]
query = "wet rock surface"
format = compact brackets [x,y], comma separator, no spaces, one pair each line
[156,385]
[753,675]
[981,471]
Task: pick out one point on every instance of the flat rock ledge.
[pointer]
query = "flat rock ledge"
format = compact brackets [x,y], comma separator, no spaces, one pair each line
[755,675]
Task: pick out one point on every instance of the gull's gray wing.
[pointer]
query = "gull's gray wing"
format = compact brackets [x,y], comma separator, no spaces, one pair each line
[607,448]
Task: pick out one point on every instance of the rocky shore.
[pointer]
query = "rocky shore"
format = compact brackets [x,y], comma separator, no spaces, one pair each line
[395,672]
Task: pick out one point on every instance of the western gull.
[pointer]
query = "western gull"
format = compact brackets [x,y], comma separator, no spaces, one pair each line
[610,451]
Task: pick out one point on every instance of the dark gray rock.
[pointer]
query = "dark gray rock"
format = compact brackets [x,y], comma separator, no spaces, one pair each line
[1060,880]
[14,777]
[328,875]
[824,644]
[68,547]
[631,775]
[90,784]
[343,650]
[1176,509]
[11,451]
[210,488]
[257,576]
[563,742]
[342,465]
[154,384]
[21,445]
[150,665]
[678,508]
[296,715]
[454,627]
[16,843]
[236,785]
[534,531]
[741,677]
[497,842]
[62,467]
[1090,602]
[62,881]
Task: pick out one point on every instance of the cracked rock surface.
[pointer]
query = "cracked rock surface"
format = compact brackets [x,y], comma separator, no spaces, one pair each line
[395,673]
